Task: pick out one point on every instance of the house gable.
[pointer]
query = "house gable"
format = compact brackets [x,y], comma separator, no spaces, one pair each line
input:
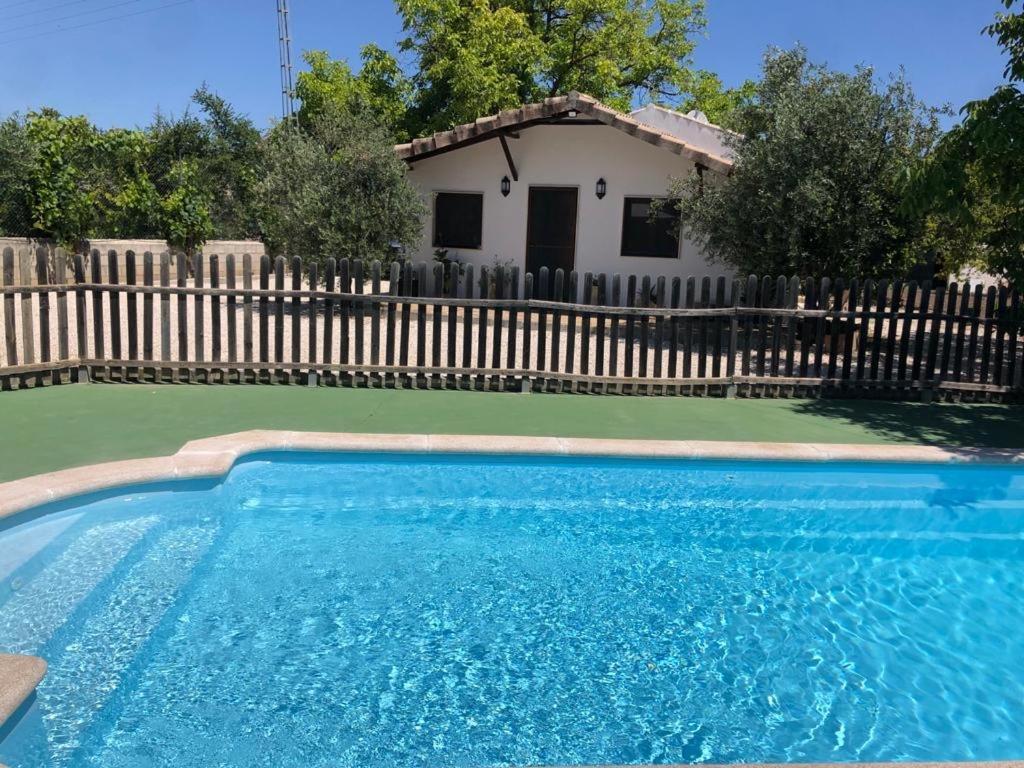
[573,108]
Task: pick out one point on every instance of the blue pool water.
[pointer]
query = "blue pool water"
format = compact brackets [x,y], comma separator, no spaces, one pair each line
[410,611]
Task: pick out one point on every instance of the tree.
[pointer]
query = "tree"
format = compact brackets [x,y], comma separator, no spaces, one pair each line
[816,189]
[62,201]
[337,189]
[16,160]
[474,57]
[974,181]
[723,106]
[223,148]
[379,87]
[185,220]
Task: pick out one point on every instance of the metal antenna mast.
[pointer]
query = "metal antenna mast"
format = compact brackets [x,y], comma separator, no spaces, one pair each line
[285,51]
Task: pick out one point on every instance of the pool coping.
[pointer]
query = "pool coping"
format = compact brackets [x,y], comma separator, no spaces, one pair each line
[19,677]
[213,457]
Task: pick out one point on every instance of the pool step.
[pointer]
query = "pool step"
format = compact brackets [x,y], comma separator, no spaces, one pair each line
[38,608]
[89,669]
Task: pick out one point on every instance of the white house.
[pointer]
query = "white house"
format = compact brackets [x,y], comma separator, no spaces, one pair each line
[564,183]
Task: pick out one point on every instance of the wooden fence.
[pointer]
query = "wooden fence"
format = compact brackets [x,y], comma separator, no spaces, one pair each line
[238,319]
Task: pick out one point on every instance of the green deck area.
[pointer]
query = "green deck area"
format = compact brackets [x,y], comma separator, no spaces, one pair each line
[57,427]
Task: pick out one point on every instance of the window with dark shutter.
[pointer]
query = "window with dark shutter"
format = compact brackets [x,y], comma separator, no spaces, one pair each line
[644,236]
[458,220]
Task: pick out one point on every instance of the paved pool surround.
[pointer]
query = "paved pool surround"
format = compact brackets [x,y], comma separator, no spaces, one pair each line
[213,457]
[19,676]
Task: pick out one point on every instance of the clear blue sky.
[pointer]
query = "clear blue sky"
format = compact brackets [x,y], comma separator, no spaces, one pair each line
[120,70]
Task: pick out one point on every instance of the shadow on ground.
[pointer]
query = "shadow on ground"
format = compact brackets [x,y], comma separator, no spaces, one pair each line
[962,426]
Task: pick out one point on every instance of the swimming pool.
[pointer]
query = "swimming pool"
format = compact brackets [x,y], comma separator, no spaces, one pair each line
[372,610]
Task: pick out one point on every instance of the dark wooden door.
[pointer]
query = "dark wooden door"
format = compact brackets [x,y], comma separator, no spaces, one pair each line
[551,229]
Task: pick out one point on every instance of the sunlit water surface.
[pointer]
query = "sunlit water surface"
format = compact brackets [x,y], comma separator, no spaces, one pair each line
[409,611]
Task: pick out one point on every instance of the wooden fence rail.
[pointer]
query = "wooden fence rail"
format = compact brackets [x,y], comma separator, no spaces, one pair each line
[237,319]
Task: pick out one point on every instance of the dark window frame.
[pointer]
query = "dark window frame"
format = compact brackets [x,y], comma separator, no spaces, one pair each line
[474,240]
[631,249]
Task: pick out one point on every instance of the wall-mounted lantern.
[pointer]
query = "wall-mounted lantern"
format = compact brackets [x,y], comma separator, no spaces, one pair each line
[602,189]
[506,186]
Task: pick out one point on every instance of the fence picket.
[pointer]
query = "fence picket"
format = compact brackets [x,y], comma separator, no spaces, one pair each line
[613,346]
[997,369]
[962,314]
[313,309]
[182,280]
[904,354]
[454,292]
[42,279]
[247,308]
[80,313]
[718,300]
[215,342]
[10,332]
[673,351]
[895,300]
[28,335]
[600,325]
[527,322]
[513,321]
[198,308]
[98,336]
[570,335]
[327,355]
[60,270]
[165,310]
[703,326]
[345,310]
[115,306]
[295,314]
[232,307]
[986,335]
[587,298]
[864,332]
[630,324]
[467,323]
[264,316]
[375,309]
[947,331]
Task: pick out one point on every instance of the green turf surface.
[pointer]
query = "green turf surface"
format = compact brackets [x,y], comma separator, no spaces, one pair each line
[46,429]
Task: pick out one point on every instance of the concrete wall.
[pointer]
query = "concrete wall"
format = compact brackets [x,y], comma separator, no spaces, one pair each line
[559,155]
[220,247]
[693,131]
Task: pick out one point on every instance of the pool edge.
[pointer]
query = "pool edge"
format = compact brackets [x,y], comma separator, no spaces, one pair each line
[213,457]
[20,675]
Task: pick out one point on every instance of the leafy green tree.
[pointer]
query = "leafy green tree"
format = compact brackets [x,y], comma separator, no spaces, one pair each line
[185,211]
[723,106]
[62,201]
[224,149]
[816,185]
[475,57]
[974,181]
[126,202]
[379,87]
[16,160]
[337,189]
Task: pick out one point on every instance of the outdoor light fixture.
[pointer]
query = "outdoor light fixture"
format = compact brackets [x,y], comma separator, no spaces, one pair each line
[602,189]
[506,186]
[572,113]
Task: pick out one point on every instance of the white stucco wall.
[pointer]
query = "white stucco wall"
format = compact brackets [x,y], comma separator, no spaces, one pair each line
[560,155]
